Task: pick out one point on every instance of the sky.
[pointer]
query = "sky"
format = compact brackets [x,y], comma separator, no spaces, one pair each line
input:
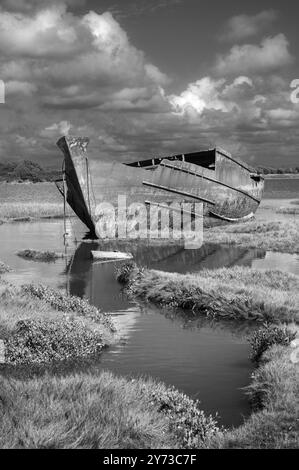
[145,78]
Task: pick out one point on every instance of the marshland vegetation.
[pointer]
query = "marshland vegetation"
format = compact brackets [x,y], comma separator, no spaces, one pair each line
[236,293]
[36,255]
[140,412]
[243,294]
[104,411]
[41,325]
[26,201]
[279,236]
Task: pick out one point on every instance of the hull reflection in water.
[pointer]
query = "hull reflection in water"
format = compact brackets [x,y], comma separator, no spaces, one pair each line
[97,282]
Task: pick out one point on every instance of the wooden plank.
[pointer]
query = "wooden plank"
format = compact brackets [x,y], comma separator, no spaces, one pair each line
[2,352]
[165,206]
[176,191]
[194,173]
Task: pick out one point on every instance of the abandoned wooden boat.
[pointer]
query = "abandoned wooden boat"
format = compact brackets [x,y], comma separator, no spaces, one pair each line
[228,188]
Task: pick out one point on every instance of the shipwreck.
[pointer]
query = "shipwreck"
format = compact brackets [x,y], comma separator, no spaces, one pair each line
[229,189]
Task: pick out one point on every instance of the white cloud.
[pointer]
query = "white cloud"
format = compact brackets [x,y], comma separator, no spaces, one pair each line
[51,32]
[272,54]
[77,61]
[243,26]
[208,94]
[56,129]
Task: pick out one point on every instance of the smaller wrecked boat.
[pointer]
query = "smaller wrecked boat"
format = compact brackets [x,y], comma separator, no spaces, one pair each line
[229,189]
[111,255]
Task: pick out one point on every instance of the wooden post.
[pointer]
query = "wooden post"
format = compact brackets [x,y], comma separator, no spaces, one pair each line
[2,352]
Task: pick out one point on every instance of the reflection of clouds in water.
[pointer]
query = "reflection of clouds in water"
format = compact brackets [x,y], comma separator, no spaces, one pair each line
[125,321]
[280,261]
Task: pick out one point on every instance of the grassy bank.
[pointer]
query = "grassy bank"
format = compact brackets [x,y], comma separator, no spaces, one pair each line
[84,411]
[40,325]
[229,293]
[277,236]
[78,412]
[104,411]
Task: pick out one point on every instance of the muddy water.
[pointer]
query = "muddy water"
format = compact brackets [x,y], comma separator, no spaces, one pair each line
[208,361]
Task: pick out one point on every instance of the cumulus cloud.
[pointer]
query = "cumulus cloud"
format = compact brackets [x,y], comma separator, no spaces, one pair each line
[244,26]
[56,129]
[272,54]
[77,61]
[208,94]
[245,115]
[51,32]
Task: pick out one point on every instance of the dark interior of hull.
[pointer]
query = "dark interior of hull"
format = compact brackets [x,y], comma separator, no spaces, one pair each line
[206,159]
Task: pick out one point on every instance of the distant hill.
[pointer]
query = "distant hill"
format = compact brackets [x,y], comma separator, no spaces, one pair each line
[278,171]
[26,171]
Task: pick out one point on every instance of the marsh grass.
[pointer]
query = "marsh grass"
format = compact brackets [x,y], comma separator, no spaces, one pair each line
[4,268]
[228,293]
[45,256]
[40,325]
[85,411]
[30,193]
[20,211]
[67,303]
[288,210]
[26,201]
[268,336]
[270,236]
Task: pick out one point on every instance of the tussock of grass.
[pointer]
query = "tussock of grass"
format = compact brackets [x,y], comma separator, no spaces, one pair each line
[30,210]
[274,391]
[42,341]
[84,411]
[187,421]
[296,203]
[269,336]
[50,327]
[35,255]
[228,293]
[67,303]
[273,236]
[4,268]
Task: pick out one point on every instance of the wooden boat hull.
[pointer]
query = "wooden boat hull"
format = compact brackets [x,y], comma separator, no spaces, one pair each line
[227,187]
